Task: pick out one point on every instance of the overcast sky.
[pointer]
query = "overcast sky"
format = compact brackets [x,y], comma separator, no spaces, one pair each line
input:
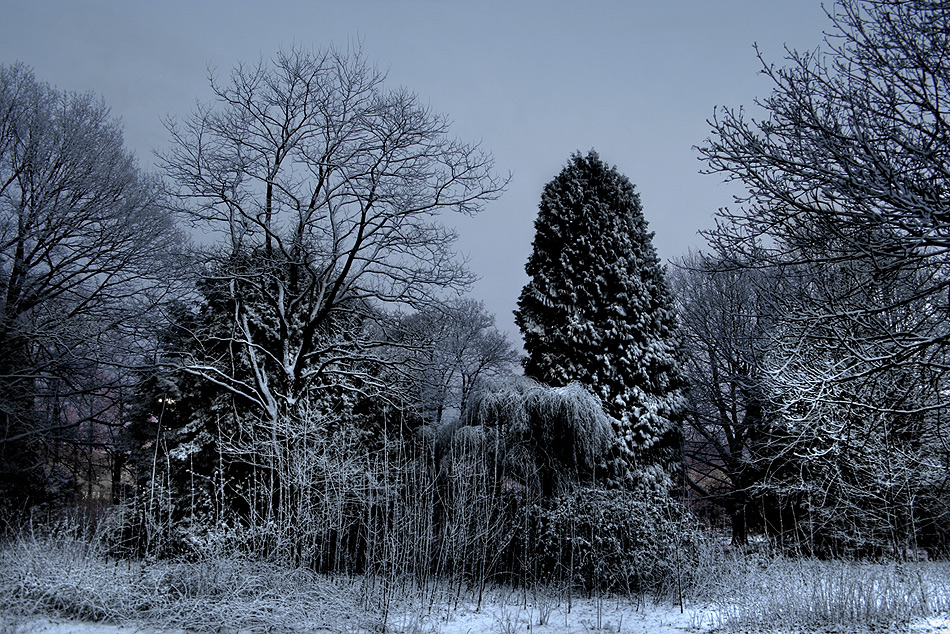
[533,81]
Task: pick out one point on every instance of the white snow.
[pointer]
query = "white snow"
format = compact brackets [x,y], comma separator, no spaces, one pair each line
[933,625]
[498,615]
[512,616]
[549,615]
[42,625]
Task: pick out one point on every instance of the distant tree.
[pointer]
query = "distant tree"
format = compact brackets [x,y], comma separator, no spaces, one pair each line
[88,253]
[597,311]
[727,316]
[455,347]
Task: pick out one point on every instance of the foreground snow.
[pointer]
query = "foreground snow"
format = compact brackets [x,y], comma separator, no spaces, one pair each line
[585,616]
[498,617]
[544,616]
[230,594]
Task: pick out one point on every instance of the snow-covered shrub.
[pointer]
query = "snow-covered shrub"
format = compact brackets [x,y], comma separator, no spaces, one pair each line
[811,595]
[617,540]
[141,526]
[63,571]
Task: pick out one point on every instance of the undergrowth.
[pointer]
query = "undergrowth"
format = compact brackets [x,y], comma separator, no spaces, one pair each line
[65,574]
[762,593]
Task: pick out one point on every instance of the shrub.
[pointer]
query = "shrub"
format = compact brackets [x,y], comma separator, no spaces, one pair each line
[66,573]
[802,594]
[617,540]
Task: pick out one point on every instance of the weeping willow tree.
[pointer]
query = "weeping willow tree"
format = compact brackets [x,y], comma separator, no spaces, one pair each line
[517,445]
[545,439]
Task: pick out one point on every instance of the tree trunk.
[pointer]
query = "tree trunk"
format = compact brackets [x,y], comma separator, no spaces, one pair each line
[118,464]
[737,516]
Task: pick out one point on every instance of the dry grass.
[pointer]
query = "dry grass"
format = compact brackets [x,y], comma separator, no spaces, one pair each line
[68,576]
[65,574]
[769,594]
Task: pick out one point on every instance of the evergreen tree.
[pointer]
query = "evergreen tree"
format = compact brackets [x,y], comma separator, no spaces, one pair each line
[598,311]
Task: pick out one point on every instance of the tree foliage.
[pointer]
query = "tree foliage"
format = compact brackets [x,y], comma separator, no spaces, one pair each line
[597,311]
[547,439]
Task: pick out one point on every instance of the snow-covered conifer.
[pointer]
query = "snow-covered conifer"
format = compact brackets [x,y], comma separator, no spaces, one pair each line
[597,310]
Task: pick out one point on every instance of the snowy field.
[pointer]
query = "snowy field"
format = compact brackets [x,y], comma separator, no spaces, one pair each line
[495,618]
[585,616]
[62,586]
[502,613]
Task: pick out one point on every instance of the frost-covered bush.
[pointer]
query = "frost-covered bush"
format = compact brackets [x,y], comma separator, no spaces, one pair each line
[618,540]
[64,571]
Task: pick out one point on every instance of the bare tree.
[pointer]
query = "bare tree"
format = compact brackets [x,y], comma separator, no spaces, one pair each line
[726,319]
[87,252]
[454,348]
[320,192]
[323,190]
[853,150]
[846,179]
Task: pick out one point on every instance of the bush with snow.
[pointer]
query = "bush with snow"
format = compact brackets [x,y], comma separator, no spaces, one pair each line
[617,540]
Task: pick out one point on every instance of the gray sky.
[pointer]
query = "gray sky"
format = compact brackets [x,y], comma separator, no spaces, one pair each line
[532,80]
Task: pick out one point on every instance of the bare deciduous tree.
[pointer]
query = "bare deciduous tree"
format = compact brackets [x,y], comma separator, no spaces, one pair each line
[87,252]
[323,191]
[726,321]
[459,348]
[854,150]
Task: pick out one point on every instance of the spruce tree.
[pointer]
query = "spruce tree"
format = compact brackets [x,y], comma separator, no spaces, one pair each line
[597,310]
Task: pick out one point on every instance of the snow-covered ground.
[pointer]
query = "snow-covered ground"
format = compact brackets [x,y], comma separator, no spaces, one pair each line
[551,617]
[606,616]
[585,616]
[235,595]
